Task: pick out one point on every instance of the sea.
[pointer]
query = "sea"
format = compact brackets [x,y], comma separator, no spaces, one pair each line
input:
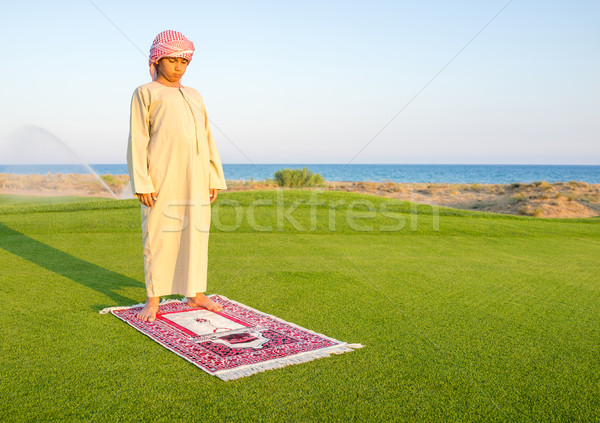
[422,173]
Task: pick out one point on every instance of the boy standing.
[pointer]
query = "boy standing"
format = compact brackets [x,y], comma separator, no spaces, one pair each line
[175,171]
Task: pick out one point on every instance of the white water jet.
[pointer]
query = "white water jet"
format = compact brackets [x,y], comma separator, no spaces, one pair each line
[26,140]
[126,193]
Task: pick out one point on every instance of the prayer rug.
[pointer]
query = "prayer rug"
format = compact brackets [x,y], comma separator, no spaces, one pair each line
[238,341]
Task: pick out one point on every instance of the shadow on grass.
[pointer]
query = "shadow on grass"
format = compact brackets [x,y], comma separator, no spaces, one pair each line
[83,272]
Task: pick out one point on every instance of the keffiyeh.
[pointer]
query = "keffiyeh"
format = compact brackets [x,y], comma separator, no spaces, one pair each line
[169,44]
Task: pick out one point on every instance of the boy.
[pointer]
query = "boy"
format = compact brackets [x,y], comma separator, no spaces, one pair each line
[175,171]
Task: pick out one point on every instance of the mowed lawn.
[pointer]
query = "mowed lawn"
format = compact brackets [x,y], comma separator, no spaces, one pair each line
[464,316]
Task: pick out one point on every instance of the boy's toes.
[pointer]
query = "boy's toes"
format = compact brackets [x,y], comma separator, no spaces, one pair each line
[212,306]
[147,315]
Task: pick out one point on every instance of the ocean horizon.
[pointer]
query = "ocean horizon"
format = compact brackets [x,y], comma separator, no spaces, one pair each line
[416,173]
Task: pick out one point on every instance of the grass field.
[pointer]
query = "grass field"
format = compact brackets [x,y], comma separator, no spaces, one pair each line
[465,316]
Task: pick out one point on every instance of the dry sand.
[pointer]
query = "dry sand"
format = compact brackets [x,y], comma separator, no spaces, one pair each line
[542,199]
[65,184]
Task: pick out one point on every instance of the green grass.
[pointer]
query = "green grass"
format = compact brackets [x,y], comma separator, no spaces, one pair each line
[478,317]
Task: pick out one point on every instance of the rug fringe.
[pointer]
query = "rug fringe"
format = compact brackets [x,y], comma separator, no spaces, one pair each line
[164,301]
[279,363]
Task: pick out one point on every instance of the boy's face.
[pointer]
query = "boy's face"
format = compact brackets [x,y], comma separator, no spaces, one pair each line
[172,68]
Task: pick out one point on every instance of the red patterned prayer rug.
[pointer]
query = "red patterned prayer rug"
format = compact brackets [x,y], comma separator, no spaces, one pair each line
[238,341]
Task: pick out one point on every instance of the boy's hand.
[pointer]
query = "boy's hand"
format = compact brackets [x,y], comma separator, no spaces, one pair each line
[147,199]
[213,194]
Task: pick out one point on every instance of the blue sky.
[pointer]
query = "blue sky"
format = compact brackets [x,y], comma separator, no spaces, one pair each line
[314,81]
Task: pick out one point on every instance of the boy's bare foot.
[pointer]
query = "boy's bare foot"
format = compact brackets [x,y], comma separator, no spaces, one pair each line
[202,300]
[148,313]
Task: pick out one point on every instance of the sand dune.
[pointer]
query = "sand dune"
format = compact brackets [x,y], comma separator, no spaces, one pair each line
[542,199]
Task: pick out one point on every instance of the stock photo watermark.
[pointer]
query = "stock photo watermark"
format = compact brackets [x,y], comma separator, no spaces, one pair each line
[316,214]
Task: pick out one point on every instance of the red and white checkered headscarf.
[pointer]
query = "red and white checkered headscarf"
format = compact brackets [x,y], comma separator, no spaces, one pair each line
[169,44]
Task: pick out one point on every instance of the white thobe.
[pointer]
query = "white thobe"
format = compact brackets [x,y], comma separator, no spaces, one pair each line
[171,152]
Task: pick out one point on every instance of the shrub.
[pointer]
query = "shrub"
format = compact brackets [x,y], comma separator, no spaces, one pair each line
[297,178]
[476,187]
[109,179]
[578,184]
[391,187]
[542,184]
[517,198]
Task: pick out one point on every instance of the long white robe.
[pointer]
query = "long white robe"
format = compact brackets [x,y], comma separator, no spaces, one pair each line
[171,152]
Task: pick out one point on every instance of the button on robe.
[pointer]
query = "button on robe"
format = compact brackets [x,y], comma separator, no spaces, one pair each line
[171,152]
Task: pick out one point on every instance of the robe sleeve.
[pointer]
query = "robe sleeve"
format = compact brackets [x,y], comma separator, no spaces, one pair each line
[216,177]
[137,146]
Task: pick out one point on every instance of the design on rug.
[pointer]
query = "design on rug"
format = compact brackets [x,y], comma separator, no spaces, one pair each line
[237,341]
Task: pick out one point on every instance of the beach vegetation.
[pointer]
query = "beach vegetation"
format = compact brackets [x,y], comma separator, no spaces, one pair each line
[541,184]
[109,179]
[475,187]
[588,198]
[295,178]
[578,184]
[391,187]
[518,198]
